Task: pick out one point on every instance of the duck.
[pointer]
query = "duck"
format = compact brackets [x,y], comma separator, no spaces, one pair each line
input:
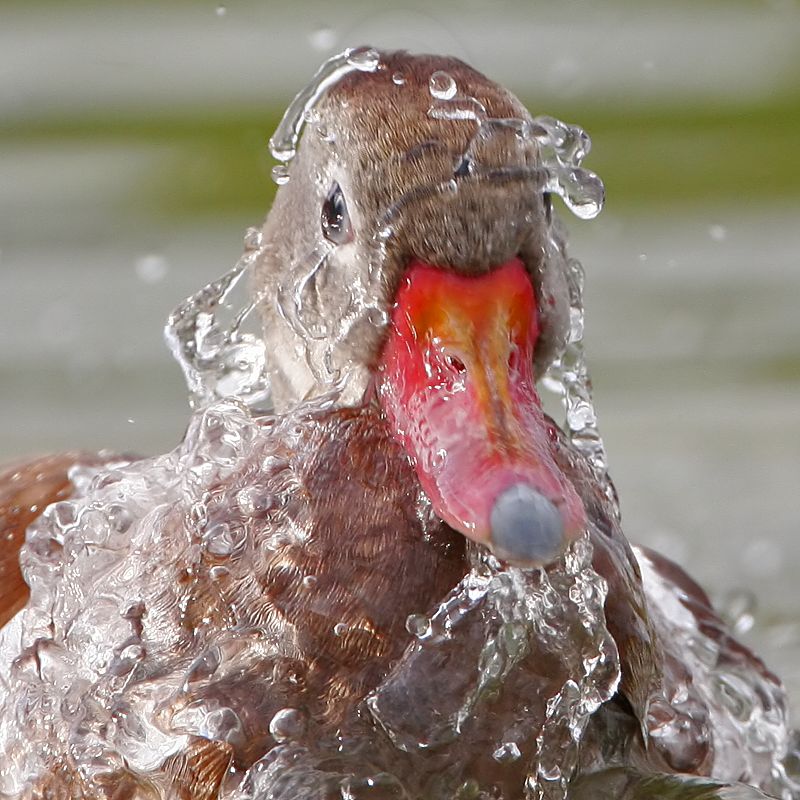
[402,579]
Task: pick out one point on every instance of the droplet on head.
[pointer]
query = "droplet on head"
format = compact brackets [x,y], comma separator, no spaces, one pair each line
[398,79]
[364,59]
[442,86]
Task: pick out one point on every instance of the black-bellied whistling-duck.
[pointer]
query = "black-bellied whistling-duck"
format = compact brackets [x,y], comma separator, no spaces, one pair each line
[406,582]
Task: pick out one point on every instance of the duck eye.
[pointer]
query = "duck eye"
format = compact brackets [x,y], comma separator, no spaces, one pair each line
[335,219]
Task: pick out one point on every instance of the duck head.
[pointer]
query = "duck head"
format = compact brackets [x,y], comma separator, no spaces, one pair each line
[410,260]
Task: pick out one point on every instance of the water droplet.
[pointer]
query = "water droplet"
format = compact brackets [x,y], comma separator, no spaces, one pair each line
[120,518]
[151,268]
[309,581]
[223,539]
[418,625]
[280,174]
[562,148]
[718,233]
[287,724]
[204,666]
[506,753]
[398,79]
[442,86]
[340,629]
[324,133]
[365,59]
[253,239]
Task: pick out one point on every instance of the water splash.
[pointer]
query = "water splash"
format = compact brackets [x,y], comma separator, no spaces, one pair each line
[167,635]
[484,645]
[206,335]
[568,378]
[715,696]
[283,144]
[563,148]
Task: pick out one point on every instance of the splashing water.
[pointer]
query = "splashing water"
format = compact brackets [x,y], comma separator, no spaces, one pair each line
[568,378]
[206,336]
[140,662]
[186,628]
[562,148]
[283,144]
[740,710]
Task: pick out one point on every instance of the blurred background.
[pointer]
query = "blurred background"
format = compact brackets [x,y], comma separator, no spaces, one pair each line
[133,155]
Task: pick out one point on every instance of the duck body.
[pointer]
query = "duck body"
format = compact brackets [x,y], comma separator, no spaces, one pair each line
[404,581]
[231,622]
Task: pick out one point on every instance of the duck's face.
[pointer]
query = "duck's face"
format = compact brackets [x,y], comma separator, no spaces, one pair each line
[410,257]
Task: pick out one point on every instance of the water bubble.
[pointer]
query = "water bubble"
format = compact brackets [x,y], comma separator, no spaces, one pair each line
[507,752]
[280,174]
[287,724]
[418,625]
[254,500]
[63,515]
[253,239]
[204,666]
[120,518]
[223,539]
[442,86]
